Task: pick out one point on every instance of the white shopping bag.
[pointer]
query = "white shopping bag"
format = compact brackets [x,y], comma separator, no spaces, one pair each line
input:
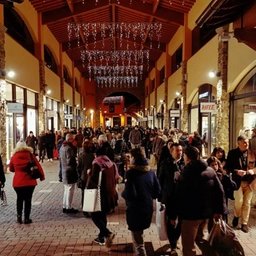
[161,221]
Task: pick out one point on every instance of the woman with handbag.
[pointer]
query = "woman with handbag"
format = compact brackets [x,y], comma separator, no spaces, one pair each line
[23,184]
[108,194]
[141,187]
[84,165]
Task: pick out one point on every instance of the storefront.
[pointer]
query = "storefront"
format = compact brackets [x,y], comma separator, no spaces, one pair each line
[203,117]
[21,116]
[243,108]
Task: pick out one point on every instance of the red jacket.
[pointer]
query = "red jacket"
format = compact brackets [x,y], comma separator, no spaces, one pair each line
[18,163]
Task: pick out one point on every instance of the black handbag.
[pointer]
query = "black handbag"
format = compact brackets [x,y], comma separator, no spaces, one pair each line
[32,169]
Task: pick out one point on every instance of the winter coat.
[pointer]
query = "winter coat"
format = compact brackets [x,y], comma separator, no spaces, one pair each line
[141,187]
[184,141]
[41,142]
[199,192]
[109,151]
[84,164]
[31,141]
[2,175]
[68,163]
[108,191]
[18,164]
[157,146]
[135,137]
[168,183]
[234,163]
[197,142]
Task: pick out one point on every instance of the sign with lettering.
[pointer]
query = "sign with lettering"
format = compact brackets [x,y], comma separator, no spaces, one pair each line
[51,113]
[15,108]
[174,113]
[251,107]
[207,107]
[69,116]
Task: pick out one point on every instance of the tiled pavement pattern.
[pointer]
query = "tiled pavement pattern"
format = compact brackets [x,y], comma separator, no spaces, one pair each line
[55,233]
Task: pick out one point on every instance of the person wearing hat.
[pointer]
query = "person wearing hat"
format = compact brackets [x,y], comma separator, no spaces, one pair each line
[22,183]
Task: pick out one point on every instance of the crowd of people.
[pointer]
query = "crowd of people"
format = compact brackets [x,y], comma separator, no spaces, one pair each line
[194,190]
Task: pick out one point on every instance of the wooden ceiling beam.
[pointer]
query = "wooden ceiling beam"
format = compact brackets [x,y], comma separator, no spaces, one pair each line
[161,14]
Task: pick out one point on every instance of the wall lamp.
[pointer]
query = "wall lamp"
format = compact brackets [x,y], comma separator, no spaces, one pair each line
[8,73]
[214,73]
[66,101]
[48,91]
[161,101]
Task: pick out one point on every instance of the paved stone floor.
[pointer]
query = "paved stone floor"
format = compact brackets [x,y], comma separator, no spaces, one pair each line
[55,233]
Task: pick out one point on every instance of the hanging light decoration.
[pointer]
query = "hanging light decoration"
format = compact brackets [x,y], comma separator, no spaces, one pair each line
[126,32]
[116,81]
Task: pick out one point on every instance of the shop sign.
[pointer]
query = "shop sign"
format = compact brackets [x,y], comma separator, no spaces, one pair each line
[159,115]
[15,107]
[70,116]
[250,107]
[174,113]
[142,119]
[207,107]
[51,113]
[150,118]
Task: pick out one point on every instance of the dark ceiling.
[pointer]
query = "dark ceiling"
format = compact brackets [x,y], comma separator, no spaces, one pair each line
[57,14]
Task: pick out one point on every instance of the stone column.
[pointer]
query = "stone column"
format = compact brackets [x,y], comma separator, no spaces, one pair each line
[166,111]
[61,110]
[183,102]
[41,98]
[222,98]
[3,107]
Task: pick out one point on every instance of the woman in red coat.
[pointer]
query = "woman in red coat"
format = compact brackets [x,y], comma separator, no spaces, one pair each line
[22,183]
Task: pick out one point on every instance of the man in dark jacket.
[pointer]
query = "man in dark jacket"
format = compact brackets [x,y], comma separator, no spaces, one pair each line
[31,141]
[240,162]
[199,196]
[170,169]
[69,174]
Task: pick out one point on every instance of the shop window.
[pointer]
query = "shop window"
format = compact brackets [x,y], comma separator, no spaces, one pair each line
[49,59]
[19,94]
[8,94]
[31,98]
[17,29]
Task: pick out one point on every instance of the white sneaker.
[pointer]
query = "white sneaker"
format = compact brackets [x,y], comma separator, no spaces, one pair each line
[51,160]
[48,160]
